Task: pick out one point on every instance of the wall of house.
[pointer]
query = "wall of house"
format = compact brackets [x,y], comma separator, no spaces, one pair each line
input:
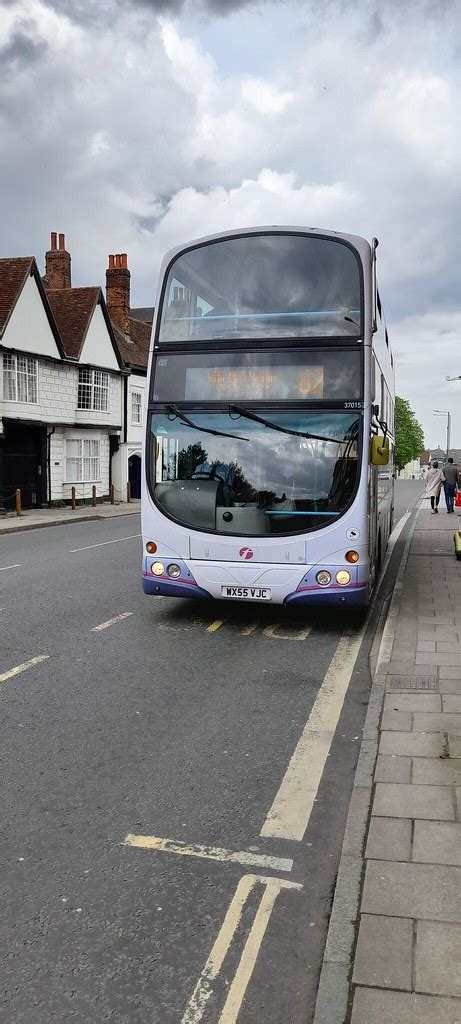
[57,393]
[135,433]
[61,480]
[97,347]
[29,329]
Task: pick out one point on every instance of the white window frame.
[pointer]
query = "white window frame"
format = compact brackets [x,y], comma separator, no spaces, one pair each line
[86,458]
[96,385]
[138,406]
[21,366]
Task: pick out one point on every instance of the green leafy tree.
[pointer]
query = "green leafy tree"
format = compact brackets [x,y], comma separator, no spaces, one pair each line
[409,437]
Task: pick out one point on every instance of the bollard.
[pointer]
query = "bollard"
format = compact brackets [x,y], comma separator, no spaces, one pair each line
[128,491]
[93,496]
[72,492]
[112,494]
[18,501]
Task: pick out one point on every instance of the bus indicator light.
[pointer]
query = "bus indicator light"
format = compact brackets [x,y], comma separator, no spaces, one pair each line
[352,556]
[151,548]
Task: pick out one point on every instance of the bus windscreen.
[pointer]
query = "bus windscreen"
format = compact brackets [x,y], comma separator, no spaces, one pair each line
[263,286]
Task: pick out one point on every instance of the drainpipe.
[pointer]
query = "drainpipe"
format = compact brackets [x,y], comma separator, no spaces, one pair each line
[48,462]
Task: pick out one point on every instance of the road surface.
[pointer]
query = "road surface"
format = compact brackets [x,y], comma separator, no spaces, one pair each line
[164,861]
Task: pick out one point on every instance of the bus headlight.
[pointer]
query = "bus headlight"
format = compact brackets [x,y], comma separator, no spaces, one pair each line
[343,577]
[352,556]
[157,568]
[174,571]
[323,578]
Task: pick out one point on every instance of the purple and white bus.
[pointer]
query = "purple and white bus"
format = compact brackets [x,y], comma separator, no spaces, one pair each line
[267,471]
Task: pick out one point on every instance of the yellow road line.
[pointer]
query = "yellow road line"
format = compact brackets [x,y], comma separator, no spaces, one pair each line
[299,634]
[110,622]
[290,812]
[250,953]
[248,630]
[204,988]
[21,668]
[215,625]
[208,852]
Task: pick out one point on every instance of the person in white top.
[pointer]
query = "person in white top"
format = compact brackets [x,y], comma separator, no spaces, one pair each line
[434,486]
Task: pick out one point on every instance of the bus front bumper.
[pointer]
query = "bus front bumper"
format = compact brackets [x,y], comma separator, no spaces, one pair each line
[295,591]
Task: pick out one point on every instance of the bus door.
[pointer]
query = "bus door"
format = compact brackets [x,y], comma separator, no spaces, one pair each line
[373,521]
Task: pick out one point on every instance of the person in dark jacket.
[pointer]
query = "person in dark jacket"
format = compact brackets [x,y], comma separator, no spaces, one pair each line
[450,480]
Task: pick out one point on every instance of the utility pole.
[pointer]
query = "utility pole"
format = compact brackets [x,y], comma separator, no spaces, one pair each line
[444,412]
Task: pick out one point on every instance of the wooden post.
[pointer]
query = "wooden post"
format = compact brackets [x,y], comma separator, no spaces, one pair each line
[128,491]
[112,494]
[18,501]
[72,491]
[93,498]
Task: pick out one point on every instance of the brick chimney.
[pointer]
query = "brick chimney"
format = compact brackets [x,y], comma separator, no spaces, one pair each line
[118,291]
[57,264]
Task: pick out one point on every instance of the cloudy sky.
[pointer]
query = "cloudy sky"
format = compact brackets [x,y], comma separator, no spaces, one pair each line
[132,125]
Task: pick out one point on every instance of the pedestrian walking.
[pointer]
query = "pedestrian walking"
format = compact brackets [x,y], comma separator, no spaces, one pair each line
[434,486]
[450,480]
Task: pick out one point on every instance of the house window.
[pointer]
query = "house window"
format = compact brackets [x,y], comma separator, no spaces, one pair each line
[136,405]
[93,390]
[83,460]
[19,378]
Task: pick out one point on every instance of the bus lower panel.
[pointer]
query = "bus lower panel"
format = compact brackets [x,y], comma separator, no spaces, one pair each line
[356,597]
[164,588]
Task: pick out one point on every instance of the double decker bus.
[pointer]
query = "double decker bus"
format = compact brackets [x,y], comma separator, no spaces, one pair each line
[267,471]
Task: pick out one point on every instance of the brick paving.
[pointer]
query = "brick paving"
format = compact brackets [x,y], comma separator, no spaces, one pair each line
[407,965]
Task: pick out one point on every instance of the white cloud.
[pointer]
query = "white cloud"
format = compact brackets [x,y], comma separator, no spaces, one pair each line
[427,350]
[264,96]
[129,136]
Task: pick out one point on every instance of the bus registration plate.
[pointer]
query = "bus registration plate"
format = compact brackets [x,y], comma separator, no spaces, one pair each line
[247,593]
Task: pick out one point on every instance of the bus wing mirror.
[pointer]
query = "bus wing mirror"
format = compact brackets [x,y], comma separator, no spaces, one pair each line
[379,455]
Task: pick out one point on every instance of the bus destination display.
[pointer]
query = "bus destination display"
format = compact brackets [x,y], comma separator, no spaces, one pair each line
[253,383]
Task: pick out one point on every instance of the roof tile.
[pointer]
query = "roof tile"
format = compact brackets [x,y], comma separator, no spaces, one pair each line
[72,309]
[13,273]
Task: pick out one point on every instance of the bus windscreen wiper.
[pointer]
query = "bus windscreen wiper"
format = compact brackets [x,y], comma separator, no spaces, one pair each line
[283,430]
[178,415]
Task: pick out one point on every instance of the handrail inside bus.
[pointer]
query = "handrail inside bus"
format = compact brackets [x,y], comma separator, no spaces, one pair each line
[250,316]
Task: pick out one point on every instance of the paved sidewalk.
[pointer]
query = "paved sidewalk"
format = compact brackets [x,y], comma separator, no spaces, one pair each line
[30,519]
[406,963]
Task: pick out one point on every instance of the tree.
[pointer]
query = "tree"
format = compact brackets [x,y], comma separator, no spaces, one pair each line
[409,437]
[189,458]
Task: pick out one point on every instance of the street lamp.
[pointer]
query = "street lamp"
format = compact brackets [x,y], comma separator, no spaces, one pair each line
[444,412]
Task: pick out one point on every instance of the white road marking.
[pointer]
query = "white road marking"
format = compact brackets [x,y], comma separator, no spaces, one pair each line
[110,622]
[118,540]
[204,988]
[208,852]
[290,812]
[21,668]
[17,565]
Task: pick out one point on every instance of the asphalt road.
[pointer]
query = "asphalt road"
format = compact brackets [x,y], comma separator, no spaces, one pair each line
[177,721]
